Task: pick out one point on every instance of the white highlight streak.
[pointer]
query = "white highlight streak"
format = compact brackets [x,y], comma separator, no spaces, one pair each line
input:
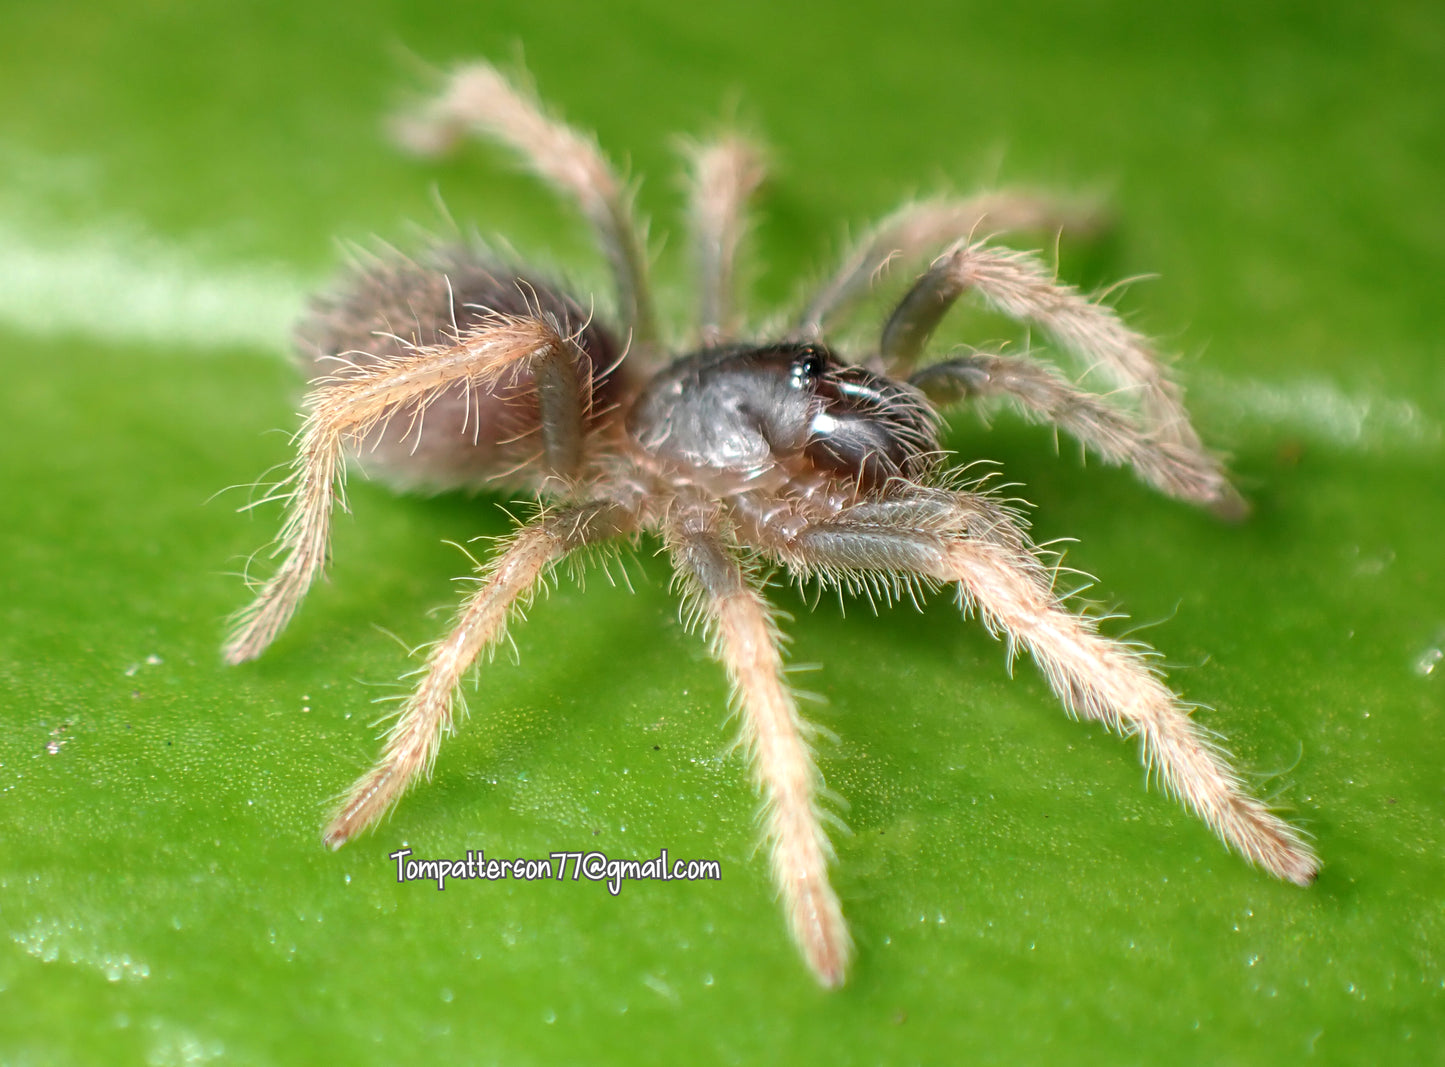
[1319,410]
[120,285]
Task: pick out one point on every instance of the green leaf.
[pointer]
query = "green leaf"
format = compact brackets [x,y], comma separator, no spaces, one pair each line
[172,181]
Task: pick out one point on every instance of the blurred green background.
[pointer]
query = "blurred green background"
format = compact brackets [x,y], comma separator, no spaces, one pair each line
[173,181]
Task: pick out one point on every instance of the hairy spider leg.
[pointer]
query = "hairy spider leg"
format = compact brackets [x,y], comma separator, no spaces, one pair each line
[358,399]
[478,99]
[744,636]
[969,540]
[1044,394]
[725,174]
[1021,286]
[507,583]
[921,229]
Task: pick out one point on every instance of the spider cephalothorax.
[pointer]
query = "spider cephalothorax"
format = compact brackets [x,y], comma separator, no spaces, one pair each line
[748,412]
[453,369]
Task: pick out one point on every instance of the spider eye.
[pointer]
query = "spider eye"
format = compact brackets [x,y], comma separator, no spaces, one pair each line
[807,367]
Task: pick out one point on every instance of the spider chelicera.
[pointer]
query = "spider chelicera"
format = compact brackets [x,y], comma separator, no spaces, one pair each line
[452,369]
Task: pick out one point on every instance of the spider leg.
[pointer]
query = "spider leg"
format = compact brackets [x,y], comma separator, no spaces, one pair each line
[970,540]
[921,229]
[1042,392]
[509,580]
[725,174]
[359,399]
[1021,286]
[745,638]
[480,100]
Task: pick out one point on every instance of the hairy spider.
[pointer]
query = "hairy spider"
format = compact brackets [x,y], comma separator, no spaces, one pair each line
[455,370]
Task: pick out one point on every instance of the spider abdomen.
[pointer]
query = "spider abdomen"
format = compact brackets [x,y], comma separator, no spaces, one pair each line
[467,435]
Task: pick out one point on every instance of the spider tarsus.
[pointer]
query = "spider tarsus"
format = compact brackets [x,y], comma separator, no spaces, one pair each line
[335,836]
[343,828]
[823,937]
[1277,847]
[234,656]
[368,801]
[1304,872]
[250,641]
[1301,867]
[1231,507]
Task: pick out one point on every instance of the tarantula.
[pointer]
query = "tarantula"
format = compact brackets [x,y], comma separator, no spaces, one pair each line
[455,370]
